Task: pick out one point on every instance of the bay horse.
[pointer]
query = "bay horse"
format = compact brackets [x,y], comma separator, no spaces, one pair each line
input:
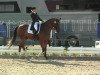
[43,36]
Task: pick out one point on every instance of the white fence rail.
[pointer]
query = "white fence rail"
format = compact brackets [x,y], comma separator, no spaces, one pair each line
[71,50]
[32,49]
[83,50]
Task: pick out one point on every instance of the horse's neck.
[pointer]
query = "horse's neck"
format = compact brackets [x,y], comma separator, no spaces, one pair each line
[49,30]
[46,27]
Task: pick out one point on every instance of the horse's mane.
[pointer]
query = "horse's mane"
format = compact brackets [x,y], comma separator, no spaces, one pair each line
[44,25]
[47,21]
[47,24]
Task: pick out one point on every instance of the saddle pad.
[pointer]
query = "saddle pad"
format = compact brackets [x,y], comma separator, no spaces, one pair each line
[29,31]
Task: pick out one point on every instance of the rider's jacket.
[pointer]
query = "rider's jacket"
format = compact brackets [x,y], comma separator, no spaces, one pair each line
[35,17]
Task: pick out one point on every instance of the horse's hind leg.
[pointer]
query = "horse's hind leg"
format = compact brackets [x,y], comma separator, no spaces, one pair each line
[19,50]
[21,45]
[24,49]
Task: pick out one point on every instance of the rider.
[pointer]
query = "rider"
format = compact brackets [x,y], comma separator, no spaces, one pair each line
[35,20]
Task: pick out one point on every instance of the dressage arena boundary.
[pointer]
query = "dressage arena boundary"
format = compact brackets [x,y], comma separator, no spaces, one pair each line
[31,49]
[80,51]
[83,50]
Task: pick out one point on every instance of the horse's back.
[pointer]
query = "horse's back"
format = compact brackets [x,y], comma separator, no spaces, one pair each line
[22,29]
[23,26]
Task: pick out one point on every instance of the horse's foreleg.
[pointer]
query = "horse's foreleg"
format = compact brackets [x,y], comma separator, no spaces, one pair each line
[43,44]
[44,51]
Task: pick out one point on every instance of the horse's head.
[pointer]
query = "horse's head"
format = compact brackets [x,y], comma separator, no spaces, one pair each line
[55,24]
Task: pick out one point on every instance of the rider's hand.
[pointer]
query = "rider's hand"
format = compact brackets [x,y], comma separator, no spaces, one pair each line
[42,21]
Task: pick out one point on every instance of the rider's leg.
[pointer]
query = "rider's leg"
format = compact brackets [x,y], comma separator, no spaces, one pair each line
[36,26]
[34,31]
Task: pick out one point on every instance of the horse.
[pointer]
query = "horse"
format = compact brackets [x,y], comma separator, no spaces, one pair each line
[43,36]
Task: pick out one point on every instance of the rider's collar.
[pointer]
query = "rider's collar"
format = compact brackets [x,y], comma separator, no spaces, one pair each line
[34,12]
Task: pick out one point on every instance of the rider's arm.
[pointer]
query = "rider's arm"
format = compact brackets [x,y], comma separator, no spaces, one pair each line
[32,16]
[40,18]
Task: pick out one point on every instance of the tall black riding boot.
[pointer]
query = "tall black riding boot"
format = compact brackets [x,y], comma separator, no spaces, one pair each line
[34,32]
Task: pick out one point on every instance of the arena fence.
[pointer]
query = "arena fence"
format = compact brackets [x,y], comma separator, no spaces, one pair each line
[67,27]
[83,50]
[71,51]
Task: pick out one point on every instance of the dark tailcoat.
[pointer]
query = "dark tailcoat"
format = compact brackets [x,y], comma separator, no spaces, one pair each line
[35,18]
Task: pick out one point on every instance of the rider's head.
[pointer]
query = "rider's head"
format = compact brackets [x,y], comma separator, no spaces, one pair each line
[33,9]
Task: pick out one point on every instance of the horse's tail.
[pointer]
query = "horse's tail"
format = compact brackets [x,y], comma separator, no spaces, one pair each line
[10,43]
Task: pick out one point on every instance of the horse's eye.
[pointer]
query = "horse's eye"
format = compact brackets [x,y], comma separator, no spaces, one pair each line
[55,22]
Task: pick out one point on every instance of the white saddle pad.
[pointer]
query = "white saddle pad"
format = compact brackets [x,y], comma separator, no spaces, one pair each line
[29,31]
